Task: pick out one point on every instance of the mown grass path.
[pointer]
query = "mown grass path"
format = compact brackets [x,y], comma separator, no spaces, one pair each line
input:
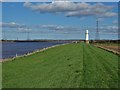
[69,66]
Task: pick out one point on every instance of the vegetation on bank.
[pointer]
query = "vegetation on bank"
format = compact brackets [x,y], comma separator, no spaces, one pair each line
[0,75]
[68,66]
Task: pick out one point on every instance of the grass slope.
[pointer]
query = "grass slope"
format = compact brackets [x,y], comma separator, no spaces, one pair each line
[68,66]
[0,75]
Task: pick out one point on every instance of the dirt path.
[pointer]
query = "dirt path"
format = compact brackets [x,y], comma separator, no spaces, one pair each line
[113,49]
[1,60]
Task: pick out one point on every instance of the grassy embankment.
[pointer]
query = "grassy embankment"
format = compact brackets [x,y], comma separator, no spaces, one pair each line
[0,75]
[68,66]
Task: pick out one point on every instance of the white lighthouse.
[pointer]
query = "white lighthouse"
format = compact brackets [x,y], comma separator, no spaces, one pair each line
[87,37]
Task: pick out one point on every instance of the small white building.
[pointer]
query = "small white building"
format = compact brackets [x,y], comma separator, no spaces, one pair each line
[87,37]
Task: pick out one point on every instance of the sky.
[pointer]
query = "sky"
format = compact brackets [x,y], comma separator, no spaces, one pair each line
[58,20]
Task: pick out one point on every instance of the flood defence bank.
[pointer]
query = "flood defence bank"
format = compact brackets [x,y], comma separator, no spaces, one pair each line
[0,76]
[68,66]
[31,53]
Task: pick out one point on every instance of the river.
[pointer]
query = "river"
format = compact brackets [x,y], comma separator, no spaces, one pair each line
[11,49]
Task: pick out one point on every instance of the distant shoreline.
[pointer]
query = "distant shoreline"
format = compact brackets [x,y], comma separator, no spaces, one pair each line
[38,40]
[72,40]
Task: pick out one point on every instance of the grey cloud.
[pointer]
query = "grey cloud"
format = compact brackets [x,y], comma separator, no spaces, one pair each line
[9,0]
[81,13]
[110,14]
[97,10]
[56,6]
[106,32]
[115,22]
[108,29]
[71,29]
[112,27]
[24,30]
[12,25]
[58,27]
[51,27]
[18,27]
[73,9]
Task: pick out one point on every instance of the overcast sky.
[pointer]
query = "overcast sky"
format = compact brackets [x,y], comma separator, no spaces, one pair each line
[59,20]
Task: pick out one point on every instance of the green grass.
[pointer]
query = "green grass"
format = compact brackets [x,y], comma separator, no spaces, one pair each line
[0,76]
[69,66]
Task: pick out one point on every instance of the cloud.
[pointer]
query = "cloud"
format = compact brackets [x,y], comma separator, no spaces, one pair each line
[70,29]
[18,27]
[50,27]
[71,9]
[56,6]
[11,25]
[24,30]
[108,27]
[115,22]
[58,27]
[53,27]
[97,10]
[8,0]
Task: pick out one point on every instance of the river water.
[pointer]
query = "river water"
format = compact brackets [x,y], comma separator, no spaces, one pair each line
[11,49]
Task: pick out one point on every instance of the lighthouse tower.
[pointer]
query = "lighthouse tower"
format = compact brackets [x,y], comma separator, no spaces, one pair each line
[86,37]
